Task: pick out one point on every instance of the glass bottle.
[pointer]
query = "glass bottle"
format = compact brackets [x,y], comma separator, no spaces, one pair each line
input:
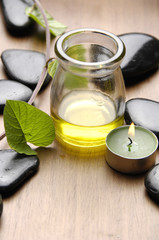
[88,91]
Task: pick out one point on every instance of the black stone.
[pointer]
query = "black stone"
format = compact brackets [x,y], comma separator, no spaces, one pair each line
[24,66]
[17,22]
[15,168]
[142,56]
[11,90]
[1,205]
[152,182]
[143,112]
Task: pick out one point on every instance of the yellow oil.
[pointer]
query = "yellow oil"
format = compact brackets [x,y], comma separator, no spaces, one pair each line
[85,118]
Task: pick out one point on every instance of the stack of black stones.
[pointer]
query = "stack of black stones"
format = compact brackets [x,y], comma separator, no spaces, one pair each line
[142,59]
[24,67]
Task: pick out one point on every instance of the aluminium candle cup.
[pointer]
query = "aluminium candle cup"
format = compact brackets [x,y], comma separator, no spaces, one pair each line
[142,155]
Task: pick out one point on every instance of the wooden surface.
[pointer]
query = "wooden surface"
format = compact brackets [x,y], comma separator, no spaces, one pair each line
[72,197]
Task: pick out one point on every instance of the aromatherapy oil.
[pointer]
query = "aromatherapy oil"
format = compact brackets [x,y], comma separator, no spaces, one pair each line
[85,118]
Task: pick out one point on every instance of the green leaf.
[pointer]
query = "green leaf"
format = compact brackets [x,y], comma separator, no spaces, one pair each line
[56,28]
[25,123]
[52,68]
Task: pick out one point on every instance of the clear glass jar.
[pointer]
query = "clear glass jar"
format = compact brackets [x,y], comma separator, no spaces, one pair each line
[88,91]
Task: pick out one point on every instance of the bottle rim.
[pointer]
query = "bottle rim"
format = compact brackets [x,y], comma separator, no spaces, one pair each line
[114,60]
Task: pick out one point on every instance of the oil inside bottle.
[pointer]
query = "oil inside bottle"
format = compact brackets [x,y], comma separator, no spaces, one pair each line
[85,118]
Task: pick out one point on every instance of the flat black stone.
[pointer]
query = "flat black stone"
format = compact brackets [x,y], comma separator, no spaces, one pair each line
[15,168]
[142,56]
[143,112]
[17,22]
[1,205]
[152,182]
[24,66]
[12,90]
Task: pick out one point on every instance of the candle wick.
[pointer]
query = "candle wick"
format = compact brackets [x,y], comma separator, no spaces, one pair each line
[130,144]
[130,141]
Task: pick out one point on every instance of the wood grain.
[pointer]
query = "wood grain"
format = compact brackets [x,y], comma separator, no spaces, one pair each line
[76,197]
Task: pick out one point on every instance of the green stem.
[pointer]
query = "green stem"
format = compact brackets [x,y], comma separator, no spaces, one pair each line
[47,29]
[42,78]
[2,135]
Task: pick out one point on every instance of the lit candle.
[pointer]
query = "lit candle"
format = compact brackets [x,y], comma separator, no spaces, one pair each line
[131,149]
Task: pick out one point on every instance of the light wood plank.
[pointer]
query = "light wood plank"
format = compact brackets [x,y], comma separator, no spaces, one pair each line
[73,197]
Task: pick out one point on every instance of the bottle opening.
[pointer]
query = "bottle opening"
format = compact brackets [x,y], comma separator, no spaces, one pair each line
[90,48]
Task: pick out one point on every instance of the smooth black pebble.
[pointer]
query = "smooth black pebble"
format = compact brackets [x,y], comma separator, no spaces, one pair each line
[143,112]
[141,58]
[12,90]
[16,20]
[1,205]
[24,66]
[15,168]
[152,182]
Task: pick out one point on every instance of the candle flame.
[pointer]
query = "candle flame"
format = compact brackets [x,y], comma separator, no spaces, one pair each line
[131,132]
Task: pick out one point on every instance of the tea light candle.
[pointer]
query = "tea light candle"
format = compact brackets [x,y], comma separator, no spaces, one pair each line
[129,152]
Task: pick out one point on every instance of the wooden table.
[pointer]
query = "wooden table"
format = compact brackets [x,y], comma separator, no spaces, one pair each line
[72,197]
